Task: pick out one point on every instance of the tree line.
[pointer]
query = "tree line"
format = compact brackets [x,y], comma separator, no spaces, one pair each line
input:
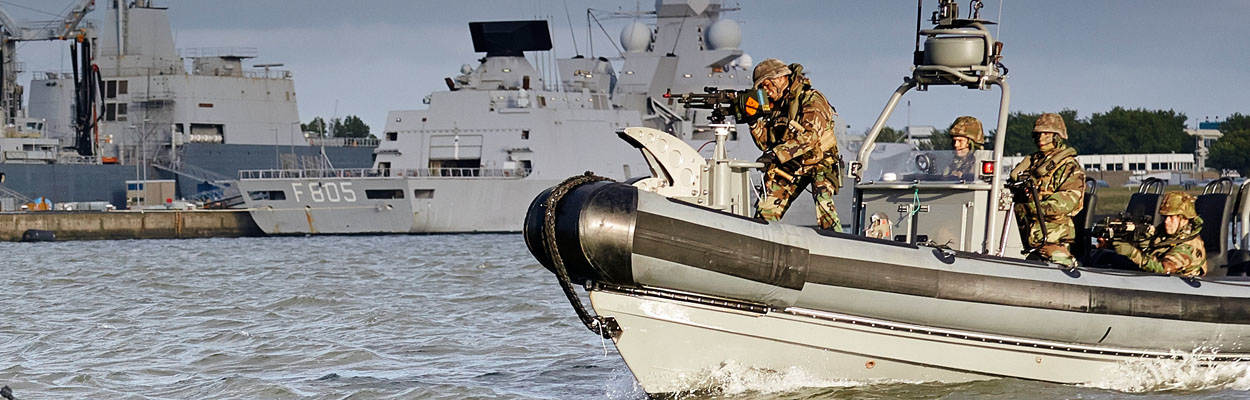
[349,127]
[1119,131]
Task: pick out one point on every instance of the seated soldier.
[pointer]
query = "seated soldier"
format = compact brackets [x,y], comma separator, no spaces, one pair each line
[966,138]
[1176,248]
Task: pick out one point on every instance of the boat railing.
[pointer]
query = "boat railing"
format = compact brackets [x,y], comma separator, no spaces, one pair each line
[344,142]
[75,158]
[458,173]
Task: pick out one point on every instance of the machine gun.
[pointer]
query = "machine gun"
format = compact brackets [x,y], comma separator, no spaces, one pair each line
[1123,228]
[744,105]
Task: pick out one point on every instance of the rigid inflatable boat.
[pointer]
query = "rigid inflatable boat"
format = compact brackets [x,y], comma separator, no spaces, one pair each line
[685,282]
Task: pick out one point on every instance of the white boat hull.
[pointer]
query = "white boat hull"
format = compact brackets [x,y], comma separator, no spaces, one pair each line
[679,346]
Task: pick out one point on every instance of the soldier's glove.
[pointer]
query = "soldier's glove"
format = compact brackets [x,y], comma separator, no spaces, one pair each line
[750,105]
[1020,191]
[769,159]
[1123,248]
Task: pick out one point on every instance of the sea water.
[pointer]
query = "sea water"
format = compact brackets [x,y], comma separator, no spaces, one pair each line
[377,317]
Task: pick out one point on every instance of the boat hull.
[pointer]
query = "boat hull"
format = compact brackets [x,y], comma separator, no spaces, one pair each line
[389,204]
[982,316]
[679,346]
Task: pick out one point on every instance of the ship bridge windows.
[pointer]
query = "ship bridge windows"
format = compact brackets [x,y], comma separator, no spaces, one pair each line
[467,167]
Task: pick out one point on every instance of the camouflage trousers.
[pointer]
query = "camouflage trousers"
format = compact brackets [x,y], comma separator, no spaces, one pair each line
[779,192]
[1055,247]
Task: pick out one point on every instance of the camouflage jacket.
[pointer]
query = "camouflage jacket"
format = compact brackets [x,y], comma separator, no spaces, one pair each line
[1182,253]
[808,139]
[963,168]
[1060,184]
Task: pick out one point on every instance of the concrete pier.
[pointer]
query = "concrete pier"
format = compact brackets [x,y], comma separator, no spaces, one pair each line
[148,224]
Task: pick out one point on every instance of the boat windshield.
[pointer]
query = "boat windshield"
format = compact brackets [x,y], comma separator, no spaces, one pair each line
[932,166]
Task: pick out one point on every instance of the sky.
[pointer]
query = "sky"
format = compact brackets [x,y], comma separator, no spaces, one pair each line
[368,57]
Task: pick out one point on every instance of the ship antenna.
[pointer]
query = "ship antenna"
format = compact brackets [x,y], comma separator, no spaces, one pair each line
[998,30]
[569,17]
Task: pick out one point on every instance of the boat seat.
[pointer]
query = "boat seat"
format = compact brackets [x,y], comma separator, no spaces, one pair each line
[1215,206]
[1145,203]
[1084,220]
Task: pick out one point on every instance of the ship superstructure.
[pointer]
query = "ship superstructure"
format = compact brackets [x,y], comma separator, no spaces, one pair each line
[138,108]
[501,130]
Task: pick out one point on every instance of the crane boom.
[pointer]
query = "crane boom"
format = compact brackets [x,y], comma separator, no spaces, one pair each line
[12,31]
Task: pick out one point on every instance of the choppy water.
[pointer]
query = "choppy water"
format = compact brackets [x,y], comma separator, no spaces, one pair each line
[429,317]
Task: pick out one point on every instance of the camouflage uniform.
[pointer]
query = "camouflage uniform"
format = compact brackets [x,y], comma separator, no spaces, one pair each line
[965,168]
[806,150]
[1060,184]
[1181,253]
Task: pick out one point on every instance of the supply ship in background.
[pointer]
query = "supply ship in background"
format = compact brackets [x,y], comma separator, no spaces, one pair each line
[132,115]
[505,130]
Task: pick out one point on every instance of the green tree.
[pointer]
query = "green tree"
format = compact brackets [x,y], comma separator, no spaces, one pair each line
[1124,131]
[317,125]
[891,135]
[1230,152]
[350,126]
[939,140]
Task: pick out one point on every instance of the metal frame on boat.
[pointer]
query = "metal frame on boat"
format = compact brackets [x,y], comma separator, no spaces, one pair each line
[687,284]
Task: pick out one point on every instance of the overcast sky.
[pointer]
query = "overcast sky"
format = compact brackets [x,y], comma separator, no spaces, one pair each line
[369,57]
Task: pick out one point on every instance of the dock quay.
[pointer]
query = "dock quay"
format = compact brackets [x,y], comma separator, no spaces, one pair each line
[146,224]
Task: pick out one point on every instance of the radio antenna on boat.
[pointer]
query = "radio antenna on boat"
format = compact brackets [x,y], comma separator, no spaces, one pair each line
[572,35]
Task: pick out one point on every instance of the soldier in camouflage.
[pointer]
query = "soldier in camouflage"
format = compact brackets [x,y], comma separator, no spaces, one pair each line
[1175,248]
[966,138]
[1056,178]
[799,144]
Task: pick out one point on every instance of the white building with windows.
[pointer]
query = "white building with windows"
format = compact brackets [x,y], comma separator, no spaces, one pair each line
[1137,163]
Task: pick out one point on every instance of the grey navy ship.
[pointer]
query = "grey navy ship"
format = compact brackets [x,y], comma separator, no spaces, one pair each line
[132,110]
[502,132]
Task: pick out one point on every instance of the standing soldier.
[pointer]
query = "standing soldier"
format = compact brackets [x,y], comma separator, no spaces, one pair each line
[798,141]
[1176,249]
[966,138]
[1049,188]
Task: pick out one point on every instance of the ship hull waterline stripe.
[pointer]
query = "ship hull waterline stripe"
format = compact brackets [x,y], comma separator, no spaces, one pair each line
[938,284]
[1027,346]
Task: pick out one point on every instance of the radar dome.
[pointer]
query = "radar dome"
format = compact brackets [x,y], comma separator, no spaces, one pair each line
[724,34]
[466,69]
[635,37]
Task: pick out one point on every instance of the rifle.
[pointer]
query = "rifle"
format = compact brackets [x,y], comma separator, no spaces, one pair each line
[1133,229]
[1031,190]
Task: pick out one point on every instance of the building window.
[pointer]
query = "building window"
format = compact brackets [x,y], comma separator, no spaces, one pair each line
[525,134]
[122,87]
[392,136]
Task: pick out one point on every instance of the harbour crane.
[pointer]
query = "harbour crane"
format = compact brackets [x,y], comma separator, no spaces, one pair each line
[66,27]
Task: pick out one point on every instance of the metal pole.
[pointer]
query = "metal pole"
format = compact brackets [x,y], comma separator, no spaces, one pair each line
[866,149]
[996,184]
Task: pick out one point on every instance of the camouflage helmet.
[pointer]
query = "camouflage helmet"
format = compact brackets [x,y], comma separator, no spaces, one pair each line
[968,127]
[1053,123]
[770,68]
[1178,203]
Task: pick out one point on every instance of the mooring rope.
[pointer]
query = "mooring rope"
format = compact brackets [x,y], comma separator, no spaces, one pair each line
[605,327]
